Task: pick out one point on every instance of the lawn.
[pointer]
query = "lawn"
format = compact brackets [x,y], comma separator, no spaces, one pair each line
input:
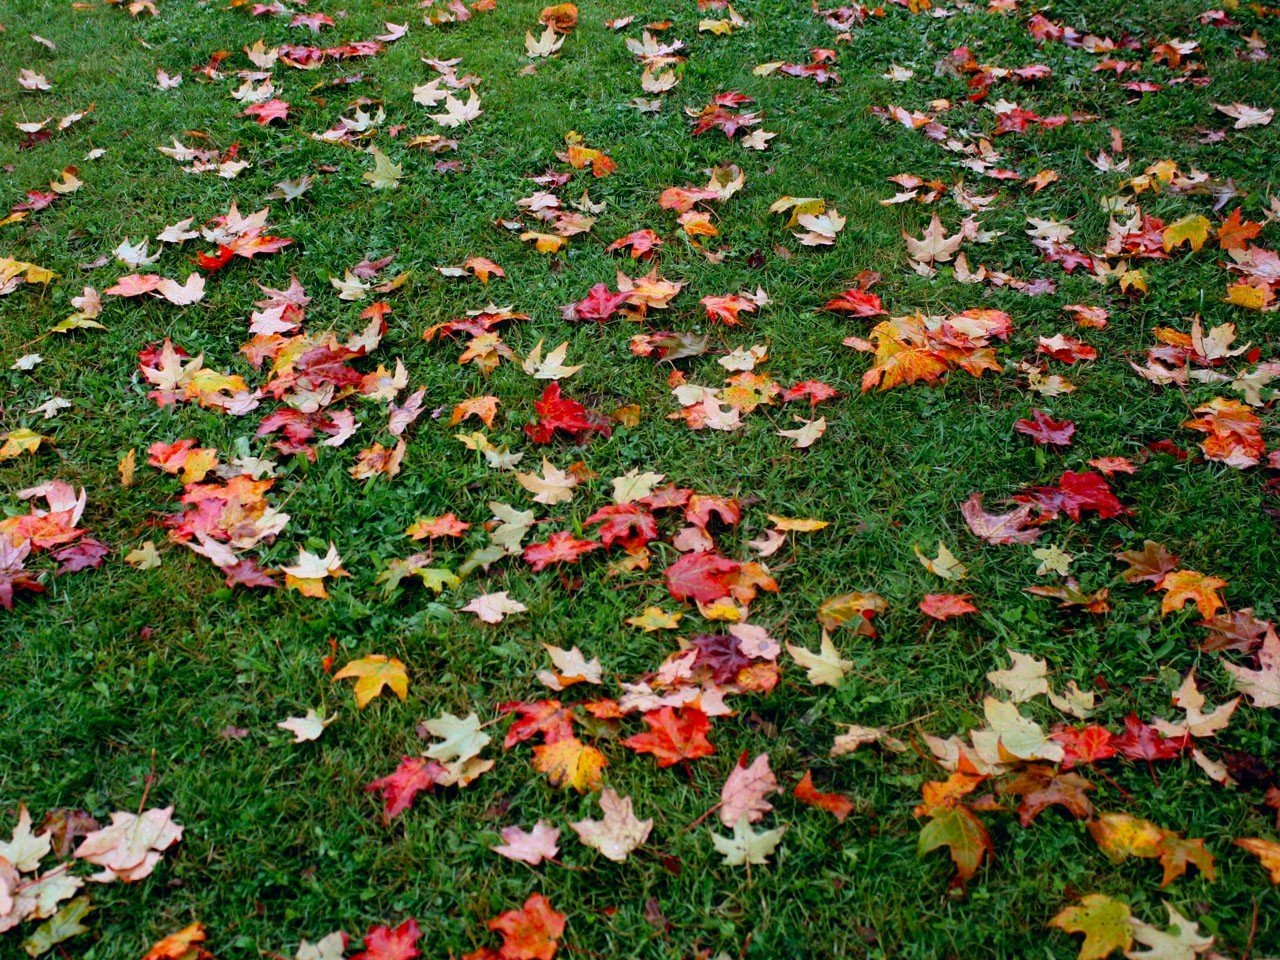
[452,196]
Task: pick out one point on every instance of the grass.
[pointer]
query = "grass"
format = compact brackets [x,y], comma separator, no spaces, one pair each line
[119,675]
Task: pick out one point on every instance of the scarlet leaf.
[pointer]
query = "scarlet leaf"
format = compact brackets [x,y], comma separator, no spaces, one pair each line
[702,577]
[530,933]
[836,804]
[1141,742]
[673,736]
[398,789]
[561,547]
[386,943]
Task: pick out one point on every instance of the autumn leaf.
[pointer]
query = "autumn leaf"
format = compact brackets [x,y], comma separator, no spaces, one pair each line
[532,846]
[746,846]
[1267,851]
[1183,586]
[530,933]
[673,736]
[391,943]
[836,804]
[619,833]
[962,833]
[183,945]
[1104,922]
[373,674]
[744,792]
[570,763]
[398,789]
[826,668]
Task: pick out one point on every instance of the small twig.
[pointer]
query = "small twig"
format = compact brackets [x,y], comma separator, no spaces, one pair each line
[1253,931]
[704,816]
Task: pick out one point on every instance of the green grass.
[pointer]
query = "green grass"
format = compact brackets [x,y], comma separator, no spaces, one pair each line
[117,674]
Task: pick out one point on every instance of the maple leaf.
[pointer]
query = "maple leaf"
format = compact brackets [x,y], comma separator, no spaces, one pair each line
[531,847]
[1182,941]
[1182,586]
[24,850]
[399,789]
[746,846]
[1246,116]
[1046,431]
[836,804]
[1267,851]
[673,737]
[1261,686]
[934,246]
[1104,921]
[544,45]
[183,945]
[944,606]
[547,718]
[530,933]
[268,112]
[456,112]
[1150,564]
[1193,230]
[129,849]
[826,667]
[568,762]
[1024,680]
[1074,494]
[619,833]
[744,792]
[494,607]
[703,577]
[388,943]
[1085,745]
[374,673]
[1040,786]
[962,833]
[385,175]
[13,573]
[561,547]
[1142,742]
[305,729]
[1013,527]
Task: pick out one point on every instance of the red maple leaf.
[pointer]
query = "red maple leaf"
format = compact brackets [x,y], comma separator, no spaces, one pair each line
[673,736]
[815,391]
[598,305]
[530,933]
[702,509]
[1074,494]
[1085,745]
[944,606]
[858,302]
[836,804]
[1045,430]
[561,547]
[384,943]
[265,113]
[246,573]
[1142,742]
[702,577]
[87,554]
[541,717]
[643,243]
[556,412]
[721,654]
[626,523]
[414,775]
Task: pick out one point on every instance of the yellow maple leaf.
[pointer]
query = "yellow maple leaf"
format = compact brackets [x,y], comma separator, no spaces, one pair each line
[20,441]
[570,763]
[372,674]
[1193,230]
